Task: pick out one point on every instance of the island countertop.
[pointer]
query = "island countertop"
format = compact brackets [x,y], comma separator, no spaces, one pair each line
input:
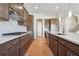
[6,38]
[71,37]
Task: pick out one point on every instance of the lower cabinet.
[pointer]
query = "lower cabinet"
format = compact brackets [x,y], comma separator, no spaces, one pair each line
[12,51]
[53,44]
[23,50]
[63,51]
[11,48]
[16,47]
[62,47]
[0,50]
[23,44]
[68,48]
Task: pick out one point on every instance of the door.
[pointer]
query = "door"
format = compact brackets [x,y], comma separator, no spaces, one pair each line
[39,27]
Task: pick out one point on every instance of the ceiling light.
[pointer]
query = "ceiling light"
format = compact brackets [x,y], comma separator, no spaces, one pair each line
[59,19]
[57,7]
[36,7]
[70,13]
[20,7]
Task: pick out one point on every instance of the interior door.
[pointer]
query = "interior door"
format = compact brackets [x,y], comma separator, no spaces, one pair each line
[39,26]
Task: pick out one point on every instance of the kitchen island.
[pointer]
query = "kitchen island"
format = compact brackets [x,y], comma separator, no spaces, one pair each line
[66,44]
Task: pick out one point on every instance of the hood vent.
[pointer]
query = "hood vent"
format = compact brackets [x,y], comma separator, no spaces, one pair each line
[13,15]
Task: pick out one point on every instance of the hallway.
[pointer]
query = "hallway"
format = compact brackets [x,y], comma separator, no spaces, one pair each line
[39,47]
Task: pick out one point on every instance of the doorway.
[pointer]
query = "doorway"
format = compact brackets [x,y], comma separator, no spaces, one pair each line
[39,28]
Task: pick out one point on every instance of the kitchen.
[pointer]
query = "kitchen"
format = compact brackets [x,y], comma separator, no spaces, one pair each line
[27,29]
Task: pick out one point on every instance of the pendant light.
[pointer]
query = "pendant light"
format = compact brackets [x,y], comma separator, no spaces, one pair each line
[70,11]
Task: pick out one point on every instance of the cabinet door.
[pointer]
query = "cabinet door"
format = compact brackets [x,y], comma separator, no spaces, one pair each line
[53,44]
[30,23]
[49,41]
[54,47]
[63,51]
[13,51]
[0,50]
[4,15]
[23,44]
[23,49]
[11,48]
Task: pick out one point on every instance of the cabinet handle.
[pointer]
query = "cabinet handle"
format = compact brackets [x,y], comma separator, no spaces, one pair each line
[62,42]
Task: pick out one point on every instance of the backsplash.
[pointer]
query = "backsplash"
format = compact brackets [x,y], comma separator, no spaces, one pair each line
[11,26]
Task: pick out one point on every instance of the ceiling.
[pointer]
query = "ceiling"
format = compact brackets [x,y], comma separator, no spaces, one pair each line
[50,8]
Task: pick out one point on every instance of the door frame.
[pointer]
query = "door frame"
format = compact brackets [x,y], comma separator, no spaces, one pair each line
[39,20]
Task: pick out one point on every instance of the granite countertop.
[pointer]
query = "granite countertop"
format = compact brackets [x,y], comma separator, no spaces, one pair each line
[6,38]
[71,37]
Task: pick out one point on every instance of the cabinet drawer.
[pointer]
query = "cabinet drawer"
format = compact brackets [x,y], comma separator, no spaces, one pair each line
[10,43]
[71,46]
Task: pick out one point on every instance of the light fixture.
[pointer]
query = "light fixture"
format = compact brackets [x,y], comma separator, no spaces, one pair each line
[57,7]
[59,19]
[20,7]
[70,11]
[36,7]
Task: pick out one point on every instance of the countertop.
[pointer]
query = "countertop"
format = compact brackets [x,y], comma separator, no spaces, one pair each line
[6,38]
[71,37]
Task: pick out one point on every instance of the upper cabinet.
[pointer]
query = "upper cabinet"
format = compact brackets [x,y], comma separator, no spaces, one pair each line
[46,24]
[18,7]
[29,22]
[54,21]
[22,14]
[4,9]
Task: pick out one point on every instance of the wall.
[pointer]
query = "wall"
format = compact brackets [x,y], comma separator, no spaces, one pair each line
[11,26]
[70,23]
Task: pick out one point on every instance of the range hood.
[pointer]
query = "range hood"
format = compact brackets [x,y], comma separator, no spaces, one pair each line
[13,15]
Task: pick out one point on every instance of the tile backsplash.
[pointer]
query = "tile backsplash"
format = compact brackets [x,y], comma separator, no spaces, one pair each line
[11,26]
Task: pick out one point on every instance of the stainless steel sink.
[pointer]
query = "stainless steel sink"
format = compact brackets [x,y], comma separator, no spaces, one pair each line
[61,33]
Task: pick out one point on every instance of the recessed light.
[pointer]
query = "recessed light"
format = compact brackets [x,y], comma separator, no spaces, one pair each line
[57,7]
[20,7]
[36,7]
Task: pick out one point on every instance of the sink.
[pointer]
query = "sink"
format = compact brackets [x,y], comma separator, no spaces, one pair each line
[14,33]
[61,33]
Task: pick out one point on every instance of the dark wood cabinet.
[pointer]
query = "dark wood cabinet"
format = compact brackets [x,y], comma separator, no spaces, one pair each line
[47,37]
[30,39]
[30,23]
[62,47]
[71,48]
[17,7]
[63,51]
[4,11]
[24,44]
[11,48]
[53,44]
[16,47]
[0,50]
